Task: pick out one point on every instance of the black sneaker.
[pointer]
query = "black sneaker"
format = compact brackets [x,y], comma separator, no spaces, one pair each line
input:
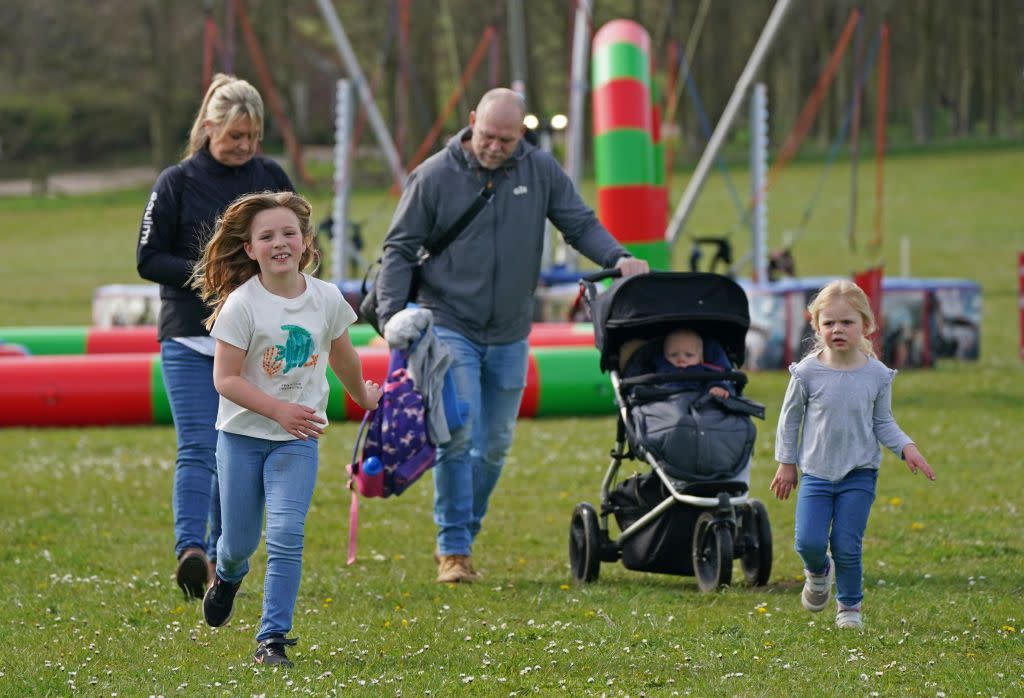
[193,572]
[219,602]
[270,652]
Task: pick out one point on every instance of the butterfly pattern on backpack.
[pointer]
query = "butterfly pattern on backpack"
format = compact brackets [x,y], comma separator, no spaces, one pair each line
[396,433]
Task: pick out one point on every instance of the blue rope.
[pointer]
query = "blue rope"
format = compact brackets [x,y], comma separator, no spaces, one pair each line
[705,125]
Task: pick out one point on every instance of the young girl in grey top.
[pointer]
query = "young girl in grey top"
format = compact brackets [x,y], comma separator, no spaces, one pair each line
[837,409]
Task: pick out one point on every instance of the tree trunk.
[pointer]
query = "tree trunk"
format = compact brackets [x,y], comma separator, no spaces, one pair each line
[990,67]
[786,94]
[923,72]
[158,18]
[968,50]
[825,44]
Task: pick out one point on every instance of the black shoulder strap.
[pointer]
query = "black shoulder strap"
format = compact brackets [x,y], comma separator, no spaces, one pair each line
[485,195]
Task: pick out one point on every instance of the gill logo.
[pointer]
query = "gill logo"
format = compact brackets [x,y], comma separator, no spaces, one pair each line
[520,190]
[147,220]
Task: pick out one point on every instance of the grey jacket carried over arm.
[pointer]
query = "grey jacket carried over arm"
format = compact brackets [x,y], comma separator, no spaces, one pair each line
[482,284]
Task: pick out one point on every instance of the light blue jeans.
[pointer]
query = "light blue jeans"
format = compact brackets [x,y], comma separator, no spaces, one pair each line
[835,514]
[188,380]
[490,379]
[279,475]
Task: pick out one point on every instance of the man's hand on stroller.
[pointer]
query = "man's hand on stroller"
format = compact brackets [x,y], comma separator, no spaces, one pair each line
[785,480]
[631,266]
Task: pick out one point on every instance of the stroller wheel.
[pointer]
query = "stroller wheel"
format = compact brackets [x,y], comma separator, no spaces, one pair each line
[712,553]
[584,544]
[756,561]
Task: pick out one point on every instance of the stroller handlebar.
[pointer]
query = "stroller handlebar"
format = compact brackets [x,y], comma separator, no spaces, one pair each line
[601,275]
[588,288]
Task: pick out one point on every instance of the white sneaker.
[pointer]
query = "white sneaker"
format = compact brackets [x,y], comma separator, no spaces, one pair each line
[849,618]
[817,588]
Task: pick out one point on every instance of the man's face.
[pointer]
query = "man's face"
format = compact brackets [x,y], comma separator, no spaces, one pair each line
[496,133]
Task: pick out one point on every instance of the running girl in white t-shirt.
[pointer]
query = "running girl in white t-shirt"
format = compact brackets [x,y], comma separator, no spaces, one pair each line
[276,328]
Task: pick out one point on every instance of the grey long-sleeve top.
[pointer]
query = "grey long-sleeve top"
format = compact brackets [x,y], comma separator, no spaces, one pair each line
[843,414]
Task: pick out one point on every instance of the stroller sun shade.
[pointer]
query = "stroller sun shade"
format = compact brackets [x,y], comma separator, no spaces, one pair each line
[650,305]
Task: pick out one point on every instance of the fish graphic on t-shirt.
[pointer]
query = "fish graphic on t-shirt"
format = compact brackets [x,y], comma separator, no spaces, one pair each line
[296,351]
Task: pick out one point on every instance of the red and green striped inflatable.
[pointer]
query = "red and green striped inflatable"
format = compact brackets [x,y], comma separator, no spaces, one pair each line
[631,196]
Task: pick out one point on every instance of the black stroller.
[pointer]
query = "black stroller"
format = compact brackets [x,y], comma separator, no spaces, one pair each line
[690,515]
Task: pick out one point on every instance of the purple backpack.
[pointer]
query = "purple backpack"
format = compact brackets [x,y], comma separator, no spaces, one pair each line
[396,434]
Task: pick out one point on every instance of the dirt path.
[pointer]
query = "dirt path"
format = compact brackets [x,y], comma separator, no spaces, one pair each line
[71,183]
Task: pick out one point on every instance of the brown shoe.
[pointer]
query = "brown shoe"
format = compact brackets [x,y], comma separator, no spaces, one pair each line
[469,563]
[193,572]
[456,568]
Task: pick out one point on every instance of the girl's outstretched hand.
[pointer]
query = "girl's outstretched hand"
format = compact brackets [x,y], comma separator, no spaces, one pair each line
[784,481]
[915,461]
[371,395]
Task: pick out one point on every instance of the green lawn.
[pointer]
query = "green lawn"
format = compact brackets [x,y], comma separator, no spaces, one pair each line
[87,565]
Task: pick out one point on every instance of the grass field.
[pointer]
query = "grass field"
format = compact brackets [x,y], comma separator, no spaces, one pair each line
[87,565]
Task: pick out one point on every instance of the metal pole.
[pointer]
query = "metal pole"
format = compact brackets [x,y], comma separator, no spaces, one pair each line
[758,177]
[343,111]
[577,90]
[685,207]
[348,57]
[517,45]
[544,131]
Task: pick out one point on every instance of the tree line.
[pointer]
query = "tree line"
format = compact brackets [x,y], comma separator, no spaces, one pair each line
[101,81]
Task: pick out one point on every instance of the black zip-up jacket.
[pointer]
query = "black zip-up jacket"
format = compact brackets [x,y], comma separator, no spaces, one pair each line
[179,219]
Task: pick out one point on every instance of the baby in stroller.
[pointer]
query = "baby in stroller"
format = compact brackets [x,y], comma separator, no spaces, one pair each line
[685,351]
[671,342]
[667,385]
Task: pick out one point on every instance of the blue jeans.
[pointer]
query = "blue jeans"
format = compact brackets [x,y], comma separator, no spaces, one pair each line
[279,475]
[188,380]
[490,378]
[836,514]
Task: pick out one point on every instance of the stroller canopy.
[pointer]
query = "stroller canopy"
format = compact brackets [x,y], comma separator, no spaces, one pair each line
[651,305]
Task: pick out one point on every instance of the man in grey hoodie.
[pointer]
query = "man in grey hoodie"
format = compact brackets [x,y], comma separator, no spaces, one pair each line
[480,291]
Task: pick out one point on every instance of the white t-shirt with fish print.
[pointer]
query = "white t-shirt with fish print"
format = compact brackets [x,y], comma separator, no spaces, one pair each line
[287,343]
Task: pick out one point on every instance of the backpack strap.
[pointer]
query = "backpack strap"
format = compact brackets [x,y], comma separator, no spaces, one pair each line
[353,507]
[353,524]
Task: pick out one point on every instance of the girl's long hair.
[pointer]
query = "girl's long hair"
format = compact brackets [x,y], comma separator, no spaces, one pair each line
[224,265]
[227,100]
[858,300]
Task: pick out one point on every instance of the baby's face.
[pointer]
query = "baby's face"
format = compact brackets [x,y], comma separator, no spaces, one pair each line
[684,349]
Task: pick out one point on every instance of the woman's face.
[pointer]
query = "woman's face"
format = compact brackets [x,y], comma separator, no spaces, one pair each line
[233,144]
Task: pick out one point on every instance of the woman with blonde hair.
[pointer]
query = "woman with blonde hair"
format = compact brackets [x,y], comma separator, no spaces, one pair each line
[221,163]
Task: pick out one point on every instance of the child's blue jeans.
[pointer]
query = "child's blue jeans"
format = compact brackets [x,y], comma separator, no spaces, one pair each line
[279,475]
[835,514]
